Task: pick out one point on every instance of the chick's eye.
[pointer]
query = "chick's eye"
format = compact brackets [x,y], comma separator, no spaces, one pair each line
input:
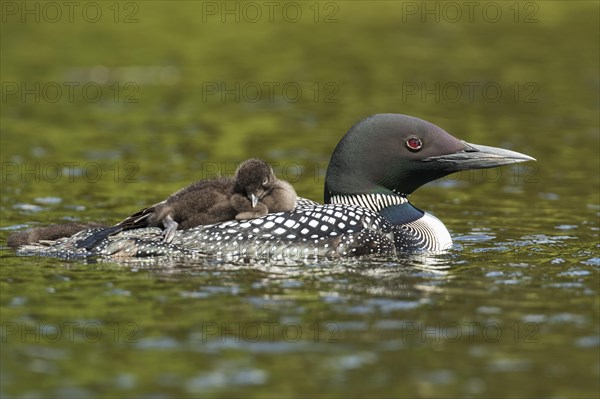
[414,144]
[265,181]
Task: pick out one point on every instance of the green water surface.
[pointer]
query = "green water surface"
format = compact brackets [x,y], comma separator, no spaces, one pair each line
[115,105]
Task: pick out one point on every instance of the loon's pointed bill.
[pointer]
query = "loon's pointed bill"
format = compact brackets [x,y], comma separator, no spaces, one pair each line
[475,156]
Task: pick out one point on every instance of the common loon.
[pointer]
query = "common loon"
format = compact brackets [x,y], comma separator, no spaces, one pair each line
[373,169]
[253,192]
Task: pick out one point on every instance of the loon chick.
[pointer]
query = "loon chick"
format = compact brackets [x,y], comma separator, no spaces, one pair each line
[211,201]
[257,191]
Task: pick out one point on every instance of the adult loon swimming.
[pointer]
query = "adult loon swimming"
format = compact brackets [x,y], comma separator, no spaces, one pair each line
[253,192]
[373,169]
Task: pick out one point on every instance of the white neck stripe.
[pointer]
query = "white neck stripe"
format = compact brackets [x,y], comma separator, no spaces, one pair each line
[375,202]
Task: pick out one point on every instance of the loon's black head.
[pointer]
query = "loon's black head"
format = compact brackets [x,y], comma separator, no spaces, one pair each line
[255,179]
[393,153]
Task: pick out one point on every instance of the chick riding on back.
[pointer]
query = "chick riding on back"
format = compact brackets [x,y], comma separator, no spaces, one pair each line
[254,191]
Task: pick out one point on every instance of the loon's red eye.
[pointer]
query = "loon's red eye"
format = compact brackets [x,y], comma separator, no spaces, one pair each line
[414,144]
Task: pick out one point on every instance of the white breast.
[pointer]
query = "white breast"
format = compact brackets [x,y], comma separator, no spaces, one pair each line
[431,232]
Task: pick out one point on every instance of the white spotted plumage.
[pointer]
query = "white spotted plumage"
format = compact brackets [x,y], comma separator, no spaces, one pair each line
[310,230]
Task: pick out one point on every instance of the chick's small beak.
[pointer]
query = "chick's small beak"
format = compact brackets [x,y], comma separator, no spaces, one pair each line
[254,200]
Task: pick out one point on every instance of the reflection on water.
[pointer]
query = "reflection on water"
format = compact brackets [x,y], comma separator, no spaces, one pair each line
[510,310]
